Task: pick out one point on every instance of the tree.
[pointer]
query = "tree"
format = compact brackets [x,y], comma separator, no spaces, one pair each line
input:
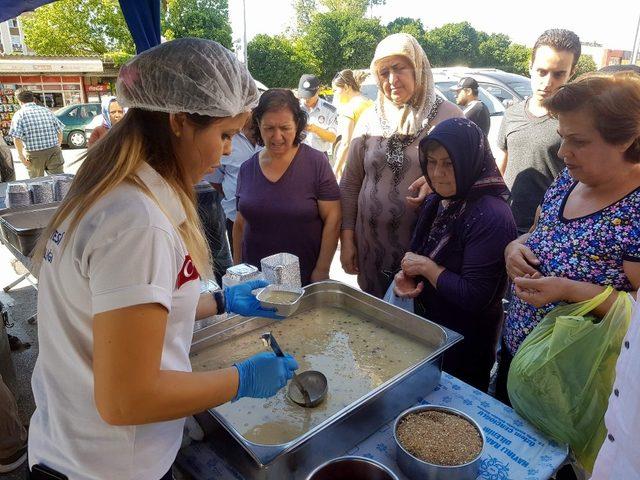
[355,7]
[78,27]
[452,44]
[304,11]
[198,18]
[412,26]
[278,61]
[341,40]
[517,59]
[492,50]
[585,64]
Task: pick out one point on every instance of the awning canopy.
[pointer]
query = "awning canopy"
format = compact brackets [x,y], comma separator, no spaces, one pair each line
[142,17]
[28,64]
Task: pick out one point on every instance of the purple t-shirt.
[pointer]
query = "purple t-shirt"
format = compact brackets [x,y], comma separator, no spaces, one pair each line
[283,216]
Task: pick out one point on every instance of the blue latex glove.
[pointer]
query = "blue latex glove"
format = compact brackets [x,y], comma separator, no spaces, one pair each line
[240,300]
[262,375]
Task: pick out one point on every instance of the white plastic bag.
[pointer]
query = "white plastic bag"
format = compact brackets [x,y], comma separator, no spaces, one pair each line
[393,299]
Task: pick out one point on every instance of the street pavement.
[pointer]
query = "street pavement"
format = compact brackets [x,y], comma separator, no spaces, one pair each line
[70,165]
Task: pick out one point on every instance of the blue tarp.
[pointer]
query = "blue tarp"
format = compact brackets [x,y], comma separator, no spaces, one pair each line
[142,17]
[12,8]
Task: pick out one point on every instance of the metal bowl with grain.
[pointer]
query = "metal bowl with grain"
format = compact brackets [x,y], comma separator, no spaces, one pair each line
[434,442]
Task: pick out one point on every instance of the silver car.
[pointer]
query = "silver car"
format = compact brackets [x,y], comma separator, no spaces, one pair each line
[443,83]
[507,87]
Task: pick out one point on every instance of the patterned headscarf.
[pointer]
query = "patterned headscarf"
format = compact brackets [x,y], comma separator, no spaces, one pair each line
[476,175]
[106,102]
[410,118]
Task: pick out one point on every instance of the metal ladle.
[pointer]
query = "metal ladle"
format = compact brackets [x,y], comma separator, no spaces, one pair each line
[310,386]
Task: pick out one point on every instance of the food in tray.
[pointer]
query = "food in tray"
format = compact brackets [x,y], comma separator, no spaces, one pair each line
[280,297]
[355,353]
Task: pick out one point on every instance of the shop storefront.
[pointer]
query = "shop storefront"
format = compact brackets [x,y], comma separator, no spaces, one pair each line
[52,91]
[56,81]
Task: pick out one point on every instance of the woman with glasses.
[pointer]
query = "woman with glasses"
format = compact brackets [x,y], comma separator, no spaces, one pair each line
[383,163]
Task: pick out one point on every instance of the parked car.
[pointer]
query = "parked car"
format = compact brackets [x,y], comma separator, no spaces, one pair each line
[89,127]
[443,83]
[494,104]
[509,88]
[75,118]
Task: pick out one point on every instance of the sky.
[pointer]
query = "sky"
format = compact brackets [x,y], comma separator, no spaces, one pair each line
[612,24]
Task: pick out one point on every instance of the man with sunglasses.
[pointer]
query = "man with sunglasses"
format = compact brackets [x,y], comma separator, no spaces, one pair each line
[323,117]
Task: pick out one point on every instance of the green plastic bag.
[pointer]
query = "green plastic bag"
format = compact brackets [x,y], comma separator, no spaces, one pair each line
[561,377]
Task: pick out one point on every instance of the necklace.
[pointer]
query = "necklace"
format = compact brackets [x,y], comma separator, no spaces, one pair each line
[398,142]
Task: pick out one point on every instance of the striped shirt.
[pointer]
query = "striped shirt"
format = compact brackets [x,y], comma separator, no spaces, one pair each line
[36,126]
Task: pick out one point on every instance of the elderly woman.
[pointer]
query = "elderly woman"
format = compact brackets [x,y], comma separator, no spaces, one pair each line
[112,113]
[288,197]
[383,163]
[351,104]
[587,233]
[455,269]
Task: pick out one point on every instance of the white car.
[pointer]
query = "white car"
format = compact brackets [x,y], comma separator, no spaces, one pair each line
[443,84]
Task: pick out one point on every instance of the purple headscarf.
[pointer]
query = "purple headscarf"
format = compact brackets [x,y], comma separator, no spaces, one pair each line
[476,175]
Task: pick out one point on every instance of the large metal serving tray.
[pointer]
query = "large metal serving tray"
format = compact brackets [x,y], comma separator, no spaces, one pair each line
[341,431]
[21,226]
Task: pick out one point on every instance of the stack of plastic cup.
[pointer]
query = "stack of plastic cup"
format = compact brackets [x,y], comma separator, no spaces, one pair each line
[18,195]
[42,192]
[61,186]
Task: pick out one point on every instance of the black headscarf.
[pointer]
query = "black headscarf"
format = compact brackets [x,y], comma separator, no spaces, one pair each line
[476,175]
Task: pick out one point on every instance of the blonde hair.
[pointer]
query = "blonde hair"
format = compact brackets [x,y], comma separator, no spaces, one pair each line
[141,136]
[351,79]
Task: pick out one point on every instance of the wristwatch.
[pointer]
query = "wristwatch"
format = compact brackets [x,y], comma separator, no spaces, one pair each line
[221,304]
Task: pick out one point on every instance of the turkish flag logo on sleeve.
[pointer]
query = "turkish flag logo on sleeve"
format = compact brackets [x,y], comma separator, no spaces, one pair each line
[187,273]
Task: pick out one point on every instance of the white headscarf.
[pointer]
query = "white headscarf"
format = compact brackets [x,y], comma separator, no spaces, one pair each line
[190,75]
[411,117]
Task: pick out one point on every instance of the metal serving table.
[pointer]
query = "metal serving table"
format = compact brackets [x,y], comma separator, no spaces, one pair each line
[515,449]
[353,423]
[21,226]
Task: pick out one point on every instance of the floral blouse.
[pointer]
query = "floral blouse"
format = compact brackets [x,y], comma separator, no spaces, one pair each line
[587,249]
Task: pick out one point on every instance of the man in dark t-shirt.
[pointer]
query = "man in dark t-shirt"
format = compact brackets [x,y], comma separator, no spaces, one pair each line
[528,136]
[474,109]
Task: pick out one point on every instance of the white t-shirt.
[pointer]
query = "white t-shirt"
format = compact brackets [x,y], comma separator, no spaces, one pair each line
[325,116]
[618,458]
[123,252]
